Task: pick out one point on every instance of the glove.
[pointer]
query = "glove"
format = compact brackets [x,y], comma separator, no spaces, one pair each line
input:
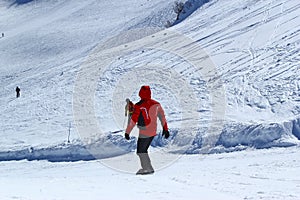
[166,134]
[127,136]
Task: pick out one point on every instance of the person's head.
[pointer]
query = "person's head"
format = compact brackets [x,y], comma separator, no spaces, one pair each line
[127,100]
[145,92]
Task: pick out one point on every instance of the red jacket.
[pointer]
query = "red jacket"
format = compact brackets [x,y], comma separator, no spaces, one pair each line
[145,114]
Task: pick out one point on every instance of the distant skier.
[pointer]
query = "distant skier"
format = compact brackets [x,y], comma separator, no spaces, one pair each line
[18,91]
[2,34]
[129,109]
[145,115]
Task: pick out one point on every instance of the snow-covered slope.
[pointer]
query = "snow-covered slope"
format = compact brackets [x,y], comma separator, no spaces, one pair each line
[44,44]
[227,74]
[253,44]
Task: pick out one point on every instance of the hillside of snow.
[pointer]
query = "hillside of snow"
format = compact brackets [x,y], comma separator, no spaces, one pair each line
[44,45]
[226,73]
[254,48]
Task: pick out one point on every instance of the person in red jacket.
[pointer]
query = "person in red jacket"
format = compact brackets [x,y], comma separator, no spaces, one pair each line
[145,115]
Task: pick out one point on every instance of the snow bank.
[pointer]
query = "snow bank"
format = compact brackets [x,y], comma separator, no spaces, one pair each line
[238,136]
[234,137]
[102,147]
[296,128]
[63,152]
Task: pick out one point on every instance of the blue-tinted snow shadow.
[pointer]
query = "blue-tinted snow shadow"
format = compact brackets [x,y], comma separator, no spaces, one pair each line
[20,2]
[189,7]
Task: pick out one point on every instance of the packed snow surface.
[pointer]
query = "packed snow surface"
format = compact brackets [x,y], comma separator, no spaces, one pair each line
[226,73]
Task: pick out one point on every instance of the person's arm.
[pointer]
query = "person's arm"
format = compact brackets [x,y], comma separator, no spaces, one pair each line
[162,118]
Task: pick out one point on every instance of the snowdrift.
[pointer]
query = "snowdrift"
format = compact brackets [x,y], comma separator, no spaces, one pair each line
[234,137]
[103,147]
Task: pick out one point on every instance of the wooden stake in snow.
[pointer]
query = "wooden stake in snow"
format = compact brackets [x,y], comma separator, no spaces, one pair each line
[69,132]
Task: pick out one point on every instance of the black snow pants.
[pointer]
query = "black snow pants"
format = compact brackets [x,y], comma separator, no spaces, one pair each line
[142,151]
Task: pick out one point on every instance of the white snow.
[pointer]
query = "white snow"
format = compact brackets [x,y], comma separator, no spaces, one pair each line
[77,61]
[251,174]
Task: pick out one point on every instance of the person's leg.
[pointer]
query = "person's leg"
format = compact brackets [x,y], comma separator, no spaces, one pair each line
[145,162]
[143,144]
[142,151]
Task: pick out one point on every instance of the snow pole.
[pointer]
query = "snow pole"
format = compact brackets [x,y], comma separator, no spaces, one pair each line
[69,132]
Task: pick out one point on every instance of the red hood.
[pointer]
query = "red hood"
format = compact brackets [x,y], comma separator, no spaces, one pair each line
[145,92]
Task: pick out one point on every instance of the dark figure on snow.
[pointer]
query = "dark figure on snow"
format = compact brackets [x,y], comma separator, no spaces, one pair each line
[18,91]
[145,116]
[129,109]
[2,34]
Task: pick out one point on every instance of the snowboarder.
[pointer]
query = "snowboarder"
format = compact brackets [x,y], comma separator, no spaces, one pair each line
[145,116]
[18,91]
[129,109]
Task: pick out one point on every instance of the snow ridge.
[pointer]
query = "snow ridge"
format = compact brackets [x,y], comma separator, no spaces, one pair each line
[102,147]
[234,137]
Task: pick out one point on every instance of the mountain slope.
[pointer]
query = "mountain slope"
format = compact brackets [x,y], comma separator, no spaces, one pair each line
[254,45]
